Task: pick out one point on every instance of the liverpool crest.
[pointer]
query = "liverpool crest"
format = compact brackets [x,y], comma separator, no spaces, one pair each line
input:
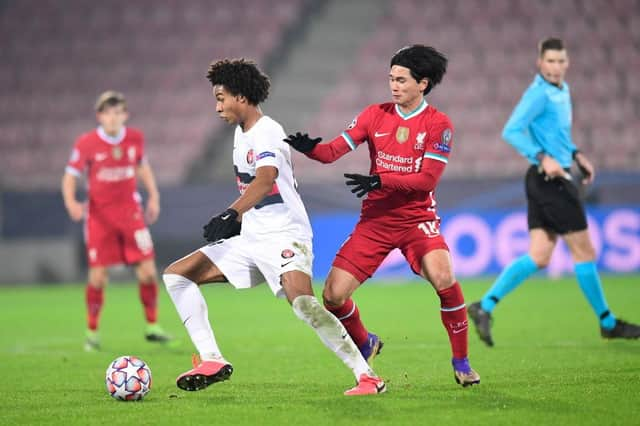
[420,141]
[402,134]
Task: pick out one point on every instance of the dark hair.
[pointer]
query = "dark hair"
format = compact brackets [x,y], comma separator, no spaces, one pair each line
[110,98]
[550,43]
[240,77]
[423,62]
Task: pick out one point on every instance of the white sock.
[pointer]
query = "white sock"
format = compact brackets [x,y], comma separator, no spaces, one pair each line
[192,309]
[332,333]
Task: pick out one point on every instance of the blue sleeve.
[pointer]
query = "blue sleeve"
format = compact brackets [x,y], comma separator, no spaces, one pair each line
[516,131]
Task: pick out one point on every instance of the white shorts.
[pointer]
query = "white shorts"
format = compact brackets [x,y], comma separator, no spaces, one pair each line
[247,262]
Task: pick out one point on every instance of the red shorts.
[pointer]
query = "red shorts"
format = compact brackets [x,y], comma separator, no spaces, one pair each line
[117,236]
[371,241]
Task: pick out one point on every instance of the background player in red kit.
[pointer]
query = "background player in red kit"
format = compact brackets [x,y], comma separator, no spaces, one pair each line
[409,145]
[115,231]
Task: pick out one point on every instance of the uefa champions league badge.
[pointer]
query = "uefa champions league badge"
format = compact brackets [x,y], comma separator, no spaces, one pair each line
[116,153]
[443,145]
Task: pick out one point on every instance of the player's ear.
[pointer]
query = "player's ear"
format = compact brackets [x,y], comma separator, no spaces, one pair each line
[424,83]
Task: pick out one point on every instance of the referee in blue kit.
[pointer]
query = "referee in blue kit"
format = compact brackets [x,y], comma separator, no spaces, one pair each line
[540,129]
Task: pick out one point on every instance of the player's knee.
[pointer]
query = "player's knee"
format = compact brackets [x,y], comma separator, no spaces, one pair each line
[98,279]
[147,277]
[541,260]
[441,279]
[583,253]
[171,269]
[173,281]
[333,298]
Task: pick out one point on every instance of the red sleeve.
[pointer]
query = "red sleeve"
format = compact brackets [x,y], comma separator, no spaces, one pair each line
[435,159]
[329,152]
[356,134]
[426,180]
[78,158]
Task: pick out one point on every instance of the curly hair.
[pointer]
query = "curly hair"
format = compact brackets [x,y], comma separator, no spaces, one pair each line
[240,77]
[423,62]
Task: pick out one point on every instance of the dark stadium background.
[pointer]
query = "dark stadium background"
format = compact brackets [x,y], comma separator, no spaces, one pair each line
[327,60]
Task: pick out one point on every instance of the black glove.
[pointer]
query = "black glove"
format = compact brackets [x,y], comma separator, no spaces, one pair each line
[223,226]
[363,184]
[302,142]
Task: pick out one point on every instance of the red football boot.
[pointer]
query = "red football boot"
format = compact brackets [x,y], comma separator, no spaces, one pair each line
[367,385]
[203,374]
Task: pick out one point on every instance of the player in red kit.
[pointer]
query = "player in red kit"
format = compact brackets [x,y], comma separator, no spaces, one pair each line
[409,145]
[112,156]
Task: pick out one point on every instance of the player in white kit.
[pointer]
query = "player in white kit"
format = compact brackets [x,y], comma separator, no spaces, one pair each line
[264,236]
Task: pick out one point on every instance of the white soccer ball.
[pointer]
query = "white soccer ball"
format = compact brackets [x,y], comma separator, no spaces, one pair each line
[128,378]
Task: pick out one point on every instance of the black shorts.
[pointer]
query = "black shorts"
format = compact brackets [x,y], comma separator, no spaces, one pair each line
[553,204]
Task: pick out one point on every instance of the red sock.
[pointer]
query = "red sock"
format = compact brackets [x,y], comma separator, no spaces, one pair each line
[349,316]
[454,317]
[149,299]
[94,300]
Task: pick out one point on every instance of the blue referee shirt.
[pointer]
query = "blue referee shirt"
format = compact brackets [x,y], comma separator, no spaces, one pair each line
[542,122]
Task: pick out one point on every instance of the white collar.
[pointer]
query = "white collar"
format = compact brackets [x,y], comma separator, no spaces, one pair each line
[113,140]
[423,105]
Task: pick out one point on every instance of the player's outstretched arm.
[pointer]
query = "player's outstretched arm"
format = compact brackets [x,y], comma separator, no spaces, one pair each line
[74,207]
[152,210]
[301,142]
[312,148]
[425,181]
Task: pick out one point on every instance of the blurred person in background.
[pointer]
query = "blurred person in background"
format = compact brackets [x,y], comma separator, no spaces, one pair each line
[540,130]
[112,157]
[409,144]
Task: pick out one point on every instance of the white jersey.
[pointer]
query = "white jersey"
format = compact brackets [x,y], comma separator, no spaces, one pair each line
[282,209]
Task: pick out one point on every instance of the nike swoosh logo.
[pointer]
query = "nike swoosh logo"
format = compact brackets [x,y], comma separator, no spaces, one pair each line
[460,330]
[101,157]
[377,135]
[285,264]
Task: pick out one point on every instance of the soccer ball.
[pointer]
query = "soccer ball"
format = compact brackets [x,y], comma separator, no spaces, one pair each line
[128,378]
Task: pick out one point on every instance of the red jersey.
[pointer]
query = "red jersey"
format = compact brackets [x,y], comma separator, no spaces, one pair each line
[110,163]
[409,153]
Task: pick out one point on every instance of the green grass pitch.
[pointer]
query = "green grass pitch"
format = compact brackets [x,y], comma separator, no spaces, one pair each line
[549,365]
